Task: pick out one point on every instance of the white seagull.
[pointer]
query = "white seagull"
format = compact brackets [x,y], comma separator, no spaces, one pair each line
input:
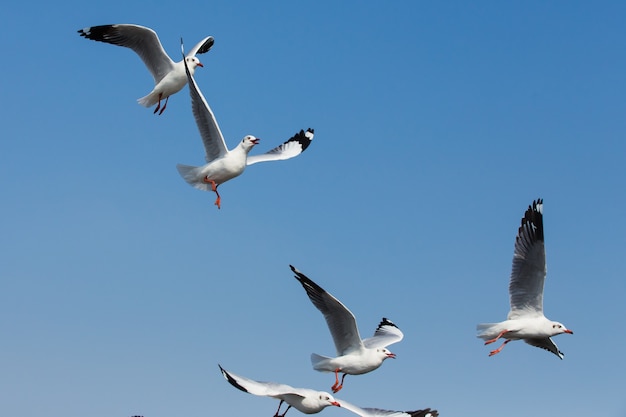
[310,401]
[222,164]
[526,320]
[354,356]
[169,76]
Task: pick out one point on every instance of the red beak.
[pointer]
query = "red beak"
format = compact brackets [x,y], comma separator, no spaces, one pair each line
[391,355]
[568,331]
[336,404]
[200,64]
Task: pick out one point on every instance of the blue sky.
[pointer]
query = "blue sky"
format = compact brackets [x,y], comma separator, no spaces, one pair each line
[122,288]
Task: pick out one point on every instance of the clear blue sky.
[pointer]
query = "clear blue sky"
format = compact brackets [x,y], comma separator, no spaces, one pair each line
[437,123]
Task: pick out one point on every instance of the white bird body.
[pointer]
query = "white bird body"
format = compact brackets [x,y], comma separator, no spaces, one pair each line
[354,356]
[223,164]
[169,76]
[309,401]
[526,320]
[357,362]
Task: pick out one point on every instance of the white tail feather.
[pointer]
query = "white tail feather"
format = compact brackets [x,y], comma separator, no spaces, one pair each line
[191,174]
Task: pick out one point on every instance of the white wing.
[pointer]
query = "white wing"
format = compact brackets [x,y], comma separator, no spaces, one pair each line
[529,265]
[340,320]
[202,47]
[377,412]
[266,389]
[547,344]
[387,333]
[144,41]
[212,138]
[292,147]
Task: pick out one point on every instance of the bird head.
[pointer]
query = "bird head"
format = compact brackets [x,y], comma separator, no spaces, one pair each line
[328,399]
[558,328]
[385,353]
[192,63]
[249,141]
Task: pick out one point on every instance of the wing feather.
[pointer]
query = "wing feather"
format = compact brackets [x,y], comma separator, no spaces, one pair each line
[529,265]
[340,320]
[294,146]
[144,41]
[212,138]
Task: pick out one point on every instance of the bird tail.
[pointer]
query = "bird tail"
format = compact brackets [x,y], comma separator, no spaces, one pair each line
[192,175]
[320,362]
[487,331]
[149,100]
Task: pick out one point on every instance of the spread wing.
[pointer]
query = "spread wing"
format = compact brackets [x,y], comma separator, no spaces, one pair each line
[212,138]
[291,148]
[144,41]
[378,412]
[265,389]
[529,265]
[202,47]
[387,333]
[547,344]
[340,320]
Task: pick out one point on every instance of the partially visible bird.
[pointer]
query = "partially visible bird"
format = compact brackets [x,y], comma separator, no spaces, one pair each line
[169,76]
[310,401]
[354,356]
[222,164]
[526,321]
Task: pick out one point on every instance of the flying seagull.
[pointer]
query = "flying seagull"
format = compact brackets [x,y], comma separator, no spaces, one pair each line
[169,76]
[222,164]
[354,356]
[310,401]
[526,320]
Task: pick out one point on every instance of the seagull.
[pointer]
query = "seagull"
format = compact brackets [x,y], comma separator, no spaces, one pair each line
[354,356]
[526,320]
[310,401]
[222,164]
[169,76]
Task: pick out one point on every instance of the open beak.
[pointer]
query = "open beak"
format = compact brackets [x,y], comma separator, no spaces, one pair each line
[391,355]
[256,141]
[568,331]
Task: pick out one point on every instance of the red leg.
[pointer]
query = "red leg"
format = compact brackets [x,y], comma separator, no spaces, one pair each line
[496,338]
[336,384]
[214,189]
[158,105]
[340,386]
[165,105]
[493,352]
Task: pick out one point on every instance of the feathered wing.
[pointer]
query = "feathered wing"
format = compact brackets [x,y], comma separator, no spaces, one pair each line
[340,320]
[144,41]
[547,344]
[529,265]
[378,412]
[294,146]
[387,333]
[202,47]
[264,389]
[212,138]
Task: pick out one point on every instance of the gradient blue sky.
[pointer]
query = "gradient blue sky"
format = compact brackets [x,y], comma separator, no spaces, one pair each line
[437,123]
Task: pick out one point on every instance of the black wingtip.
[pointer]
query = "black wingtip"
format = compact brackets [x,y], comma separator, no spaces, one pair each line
[532,221]
[423,413]
[231,380]
[386,322]
[207,45]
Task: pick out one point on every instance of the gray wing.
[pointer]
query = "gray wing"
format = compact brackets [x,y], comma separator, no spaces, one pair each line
[547,344]
[378,412]
[144,41]
[202,47]
[212,138]
[294,146]
[340,320]
[529,265]
[387,333]
[265,389]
